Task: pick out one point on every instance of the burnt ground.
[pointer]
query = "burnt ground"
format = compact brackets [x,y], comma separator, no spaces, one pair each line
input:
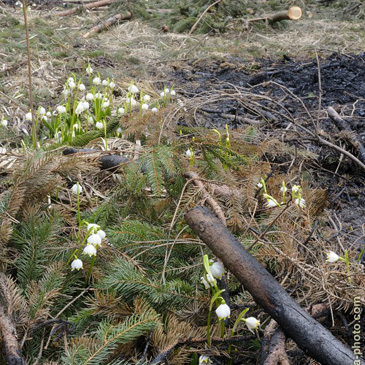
[286,82]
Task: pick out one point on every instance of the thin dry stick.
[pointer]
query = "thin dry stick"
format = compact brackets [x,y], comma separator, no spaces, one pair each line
[319,89]
[34,132]
[198,21]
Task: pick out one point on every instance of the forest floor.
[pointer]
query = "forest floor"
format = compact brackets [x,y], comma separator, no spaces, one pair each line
[271,85]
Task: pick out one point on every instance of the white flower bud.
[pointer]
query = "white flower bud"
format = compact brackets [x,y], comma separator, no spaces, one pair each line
[146,98]
[76,265]
[300,202]
[82,87]
[223,311]
[90,250]
[61,109]
[105,83]
[121,111]
[72,85]
[111,84]
[28,116]
[92,227]
[74,188]
[144,106]
[217,270]
[252,323]
[133,89]
[154,110]
[106,104]
[42,111]
[94,239]
[99,125]
[101,233]
[96,81]
[332,257]
[89,70]
[173,93]
[89,96]
[4,123]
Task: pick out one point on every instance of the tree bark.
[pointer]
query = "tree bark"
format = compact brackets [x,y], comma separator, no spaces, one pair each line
[12,351]
[93,5]
[310,336]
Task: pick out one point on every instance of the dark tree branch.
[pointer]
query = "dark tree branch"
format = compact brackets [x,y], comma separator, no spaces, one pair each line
[310,336]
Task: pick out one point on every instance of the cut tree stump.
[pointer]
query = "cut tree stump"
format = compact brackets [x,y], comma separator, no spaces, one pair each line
[309,335]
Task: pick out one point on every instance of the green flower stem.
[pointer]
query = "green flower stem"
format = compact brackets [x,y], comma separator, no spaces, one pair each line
[234,330]
[90,269]
[222,328]
[347,262]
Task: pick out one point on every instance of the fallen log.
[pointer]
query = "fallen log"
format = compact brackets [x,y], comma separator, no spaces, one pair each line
[77,9]
[294,13]
[309,335]
[107,23]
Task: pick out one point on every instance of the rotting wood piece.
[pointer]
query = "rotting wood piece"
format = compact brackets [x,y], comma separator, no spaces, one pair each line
[92,5]
[9,339]
[309,335]
[107,23]
[342,125]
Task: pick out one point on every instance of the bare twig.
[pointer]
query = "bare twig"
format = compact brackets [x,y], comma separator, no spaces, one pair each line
[192,30]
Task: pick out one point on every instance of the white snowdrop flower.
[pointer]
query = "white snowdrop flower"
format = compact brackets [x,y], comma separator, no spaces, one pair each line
[188,153]
[217,270]
[162,94]
[106,104]
[252,323]
[283,189]
[96,81]
[144,106]
[80,108]
[65,92]
[99,125]
[166,91]
[133,89]
[204,282]
[204,359]
[259,185]
[76,265]
[89,96]
[111,84]
[72,85]
[82,87]
[119,130]
[28,116]
[41,110]
[90,250]
[74,188]
[98,96]
[90,119]
[101,233]
[295,188]
[4,123]
[89,70]
[121,110]
[61,109]
[94,239]
[86,105]
[223,311]
[300,202]
[154,110]
[146,98]
[93,227]
[332,257]
[105,82]
[173,93]
[49,114]
[211,280]
[271,204]
[45,118]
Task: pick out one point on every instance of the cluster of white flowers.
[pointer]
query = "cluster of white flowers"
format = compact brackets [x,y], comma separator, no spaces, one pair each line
[204,360]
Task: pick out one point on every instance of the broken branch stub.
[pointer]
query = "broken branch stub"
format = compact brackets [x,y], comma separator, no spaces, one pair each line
[310,336]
